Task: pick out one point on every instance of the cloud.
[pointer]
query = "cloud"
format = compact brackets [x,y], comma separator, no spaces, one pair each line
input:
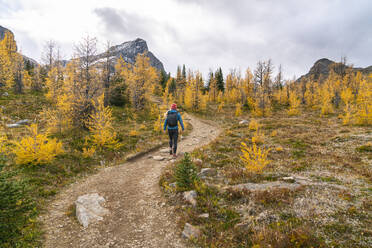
[204,34]
[293,33]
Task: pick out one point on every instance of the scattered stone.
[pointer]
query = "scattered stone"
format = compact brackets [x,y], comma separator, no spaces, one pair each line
[198,162]
[88,209]
[244,226]
[207,172]
[266,186]
[266,217]
[173,185]
[289,179]
[204,216]
[5,94]
[158,158]
[190,231]
[164,150]
[243,122]
[18,123]
[190,197]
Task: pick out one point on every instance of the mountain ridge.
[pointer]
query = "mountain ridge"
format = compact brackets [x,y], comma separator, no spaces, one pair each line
[321,68]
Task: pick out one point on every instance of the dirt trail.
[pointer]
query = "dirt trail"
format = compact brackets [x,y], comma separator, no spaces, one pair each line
[138,215]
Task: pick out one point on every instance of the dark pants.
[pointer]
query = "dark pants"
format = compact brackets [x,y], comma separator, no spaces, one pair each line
[173,137]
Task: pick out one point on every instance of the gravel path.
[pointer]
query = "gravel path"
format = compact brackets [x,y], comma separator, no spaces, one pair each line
[138,215]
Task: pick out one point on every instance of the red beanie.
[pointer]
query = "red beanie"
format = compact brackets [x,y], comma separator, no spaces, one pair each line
[174,106]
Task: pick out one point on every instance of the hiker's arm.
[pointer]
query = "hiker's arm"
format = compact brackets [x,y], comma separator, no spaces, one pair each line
[165,124]
[181,122]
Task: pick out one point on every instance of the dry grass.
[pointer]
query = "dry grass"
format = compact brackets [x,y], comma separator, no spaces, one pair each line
[333,208]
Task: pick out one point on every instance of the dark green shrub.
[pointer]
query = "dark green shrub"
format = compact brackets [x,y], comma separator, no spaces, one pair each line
[16,209]
[185,174]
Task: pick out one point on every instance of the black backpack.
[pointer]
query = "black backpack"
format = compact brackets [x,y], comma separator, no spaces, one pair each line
[172,119]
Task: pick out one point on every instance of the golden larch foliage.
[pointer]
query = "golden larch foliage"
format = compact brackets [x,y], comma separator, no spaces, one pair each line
[100,126]
[158,124]
[238,110]
[347,97]
[36,148]
[254,158]
[363,115]
[294,104]
[253,125]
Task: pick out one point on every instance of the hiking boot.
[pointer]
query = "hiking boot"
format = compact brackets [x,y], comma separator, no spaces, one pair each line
[170,152]
[174,155]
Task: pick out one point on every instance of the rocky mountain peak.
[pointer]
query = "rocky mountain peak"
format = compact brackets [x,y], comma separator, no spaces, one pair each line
[129,50]
[321,68]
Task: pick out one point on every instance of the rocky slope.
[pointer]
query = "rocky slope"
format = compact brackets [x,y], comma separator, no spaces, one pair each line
[321,68]
[2,32]
[25,58]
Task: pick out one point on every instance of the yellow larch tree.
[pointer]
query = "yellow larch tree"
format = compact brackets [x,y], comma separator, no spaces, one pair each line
[53,83]
[363,115]
[140,77]
[238,109]
[326,100]
[8,53]
[348,98]
[294,104]
[102,133]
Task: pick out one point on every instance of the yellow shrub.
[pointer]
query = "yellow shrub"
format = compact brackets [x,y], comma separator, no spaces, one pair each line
[274,133]
[133,133]
[254,159]
[88,152]
[258,137]
[279,149]
[253,125]
[158,125]
[36,148]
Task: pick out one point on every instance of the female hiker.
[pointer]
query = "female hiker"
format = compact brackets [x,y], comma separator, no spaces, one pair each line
[171,121]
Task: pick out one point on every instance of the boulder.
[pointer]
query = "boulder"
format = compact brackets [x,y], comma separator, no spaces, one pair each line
[190,231]
[207,172]
[89,209]
[18,123]
[243,122]
[190,197]
[289,179]
[5,94]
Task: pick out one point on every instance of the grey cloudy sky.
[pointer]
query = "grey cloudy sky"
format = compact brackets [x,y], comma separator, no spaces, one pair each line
[203,34]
